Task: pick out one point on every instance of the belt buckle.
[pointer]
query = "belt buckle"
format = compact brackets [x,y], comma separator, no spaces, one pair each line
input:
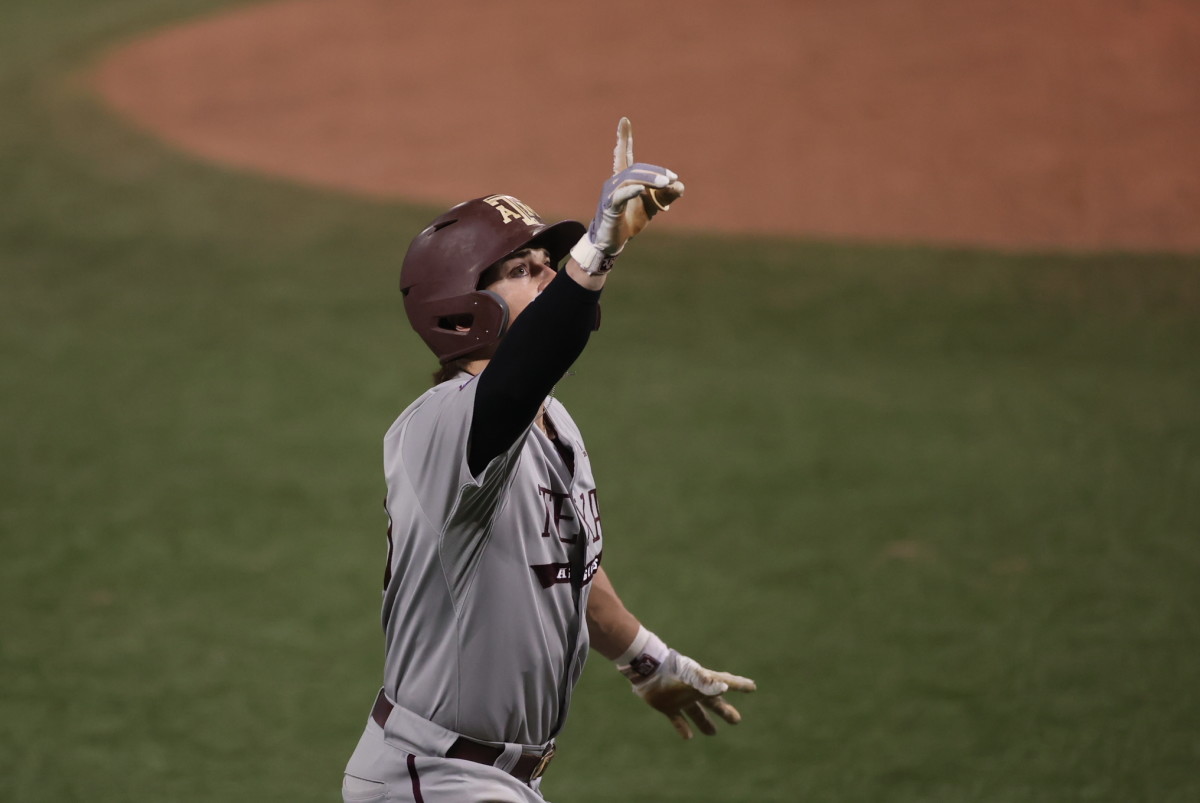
[543,762]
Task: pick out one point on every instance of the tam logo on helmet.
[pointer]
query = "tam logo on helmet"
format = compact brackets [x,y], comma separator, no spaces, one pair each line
[511,209]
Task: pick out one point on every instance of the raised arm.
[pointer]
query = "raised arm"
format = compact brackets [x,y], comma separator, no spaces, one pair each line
[549,335]
[533,356]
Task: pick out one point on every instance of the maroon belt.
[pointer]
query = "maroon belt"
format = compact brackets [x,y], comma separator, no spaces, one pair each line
[529,766]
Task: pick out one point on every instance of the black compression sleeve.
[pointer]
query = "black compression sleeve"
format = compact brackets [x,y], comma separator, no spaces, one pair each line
[535,353]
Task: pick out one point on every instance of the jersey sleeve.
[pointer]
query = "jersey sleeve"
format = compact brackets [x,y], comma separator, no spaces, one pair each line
[433,454]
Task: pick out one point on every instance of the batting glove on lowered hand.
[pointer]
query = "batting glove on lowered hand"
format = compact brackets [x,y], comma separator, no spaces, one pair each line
[617,219]
[676,685]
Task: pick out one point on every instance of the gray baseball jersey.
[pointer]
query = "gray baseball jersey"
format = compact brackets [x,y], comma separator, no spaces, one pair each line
[488,576]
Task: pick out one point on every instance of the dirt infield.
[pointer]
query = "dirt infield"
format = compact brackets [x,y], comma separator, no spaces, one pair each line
[1073,124]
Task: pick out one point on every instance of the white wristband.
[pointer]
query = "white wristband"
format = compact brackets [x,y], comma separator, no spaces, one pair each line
[593,261]
[644,656]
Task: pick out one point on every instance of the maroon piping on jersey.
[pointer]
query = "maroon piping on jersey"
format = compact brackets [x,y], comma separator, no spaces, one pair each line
[416,779]
[387,569]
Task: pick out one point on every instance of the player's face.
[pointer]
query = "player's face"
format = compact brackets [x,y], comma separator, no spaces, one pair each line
[519,278]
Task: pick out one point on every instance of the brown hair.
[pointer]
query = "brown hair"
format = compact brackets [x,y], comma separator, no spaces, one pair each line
[446,372]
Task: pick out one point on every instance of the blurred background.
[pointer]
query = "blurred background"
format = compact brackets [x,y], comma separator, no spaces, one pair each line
[898,413]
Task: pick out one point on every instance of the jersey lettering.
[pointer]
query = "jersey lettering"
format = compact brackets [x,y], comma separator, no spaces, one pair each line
[587,513]
[553,501]
[551,574]
[592,507]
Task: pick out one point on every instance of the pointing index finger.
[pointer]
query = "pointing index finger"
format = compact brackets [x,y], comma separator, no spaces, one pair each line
[735,682]
[623,152]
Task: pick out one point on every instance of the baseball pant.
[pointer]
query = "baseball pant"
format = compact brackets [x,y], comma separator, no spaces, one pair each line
[382,770]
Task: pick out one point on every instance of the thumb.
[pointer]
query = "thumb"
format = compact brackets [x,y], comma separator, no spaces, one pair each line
[659,199]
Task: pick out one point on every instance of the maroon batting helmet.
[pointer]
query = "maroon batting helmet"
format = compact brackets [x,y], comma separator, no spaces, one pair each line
[440,275]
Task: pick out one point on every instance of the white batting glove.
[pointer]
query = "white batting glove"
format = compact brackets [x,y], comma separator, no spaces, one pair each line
[617,220]
[676,685]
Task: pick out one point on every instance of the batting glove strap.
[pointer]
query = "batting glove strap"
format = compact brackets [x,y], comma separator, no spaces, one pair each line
[593,261]
[644,657]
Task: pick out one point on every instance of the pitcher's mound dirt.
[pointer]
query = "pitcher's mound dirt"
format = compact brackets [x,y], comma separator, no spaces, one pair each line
[1028,123]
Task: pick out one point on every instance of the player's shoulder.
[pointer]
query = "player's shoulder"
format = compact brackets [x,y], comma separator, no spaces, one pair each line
[452,390]
[447,391]
[457,391]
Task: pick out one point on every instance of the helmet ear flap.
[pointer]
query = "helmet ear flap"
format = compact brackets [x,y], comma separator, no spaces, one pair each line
[502,325]
[455,327]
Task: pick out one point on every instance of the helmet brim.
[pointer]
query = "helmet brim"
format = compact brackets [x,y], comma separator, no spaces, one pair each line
[558,239]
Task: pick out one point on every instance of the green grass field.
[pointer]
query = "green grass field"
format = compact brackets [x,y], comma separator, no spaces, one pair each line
[943,505]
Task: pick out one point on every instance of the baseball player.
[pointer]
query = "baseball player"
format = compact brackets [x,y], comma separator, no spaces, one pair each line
[494,590]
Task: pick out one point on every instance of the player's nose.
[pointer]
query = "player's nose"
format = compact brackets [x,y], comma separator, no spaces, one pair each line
[545,274]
